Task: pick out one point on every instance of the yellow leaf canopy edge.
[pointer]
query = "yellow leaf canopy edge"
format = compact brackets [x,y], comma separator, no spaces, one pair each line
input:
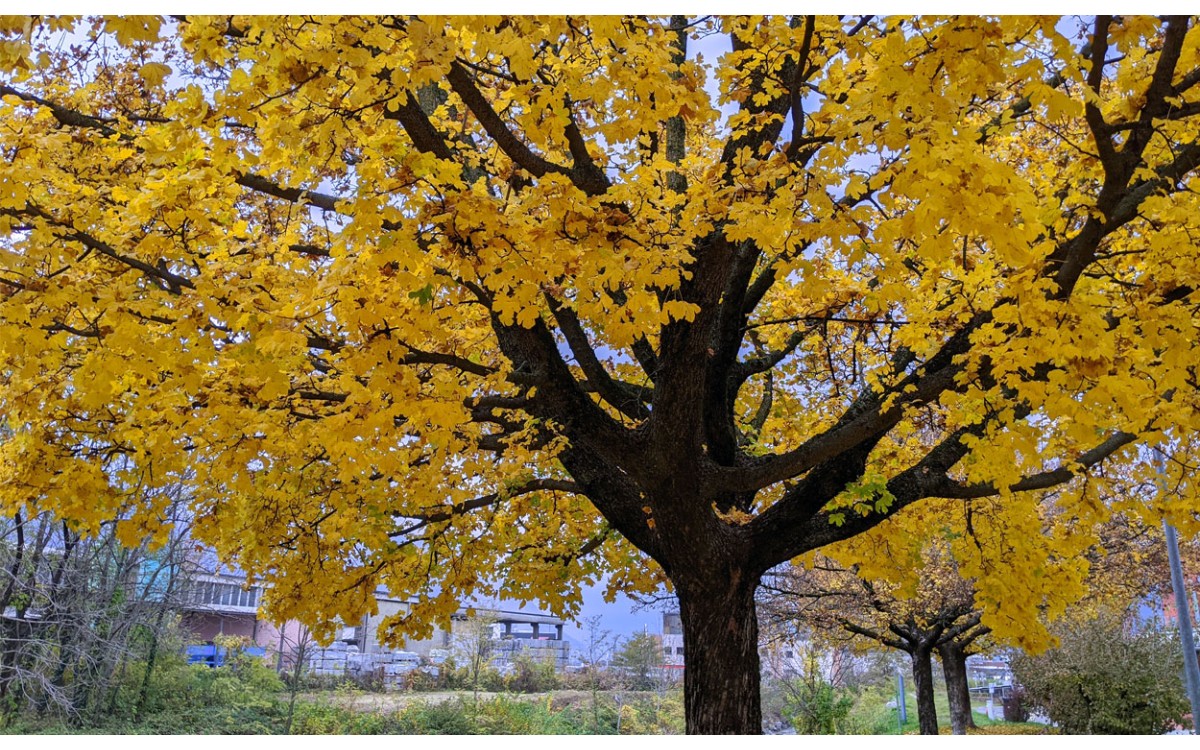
[445,304]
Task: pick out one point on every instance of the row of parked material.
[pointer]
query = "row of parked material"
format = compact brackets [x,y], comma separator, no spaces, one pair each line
[342,660]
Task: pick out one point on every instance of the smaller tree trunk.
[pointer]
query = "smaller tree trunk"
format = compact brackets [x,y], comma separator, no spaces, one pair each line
[151,662]
[302,644]
[12,634]
[954,665]
[922,661]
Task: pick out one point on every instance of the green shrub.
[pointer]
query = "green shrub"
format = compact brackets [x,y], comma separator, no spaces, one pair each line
[326,719]
[652,714]
[871,713]
[506,715]
[1013,729]
[817,707]
[180,698]
[491,680]
[422,680]
[530,675]
[1105,678]
[444,717]
[454,677]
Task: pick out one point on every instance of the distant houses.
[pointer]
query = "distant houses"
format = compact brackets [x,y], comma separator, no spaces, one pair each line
[219,604]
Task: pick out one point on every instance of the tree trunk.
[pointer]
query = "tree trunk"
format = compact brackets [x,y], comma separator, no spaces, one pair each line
[151,661]
[721,678]
[923,682]
[12,634]
[954,664]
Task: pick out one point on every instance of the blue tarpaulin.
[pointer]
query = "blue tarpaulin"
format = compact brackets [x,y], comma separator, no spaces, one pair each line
[216,656]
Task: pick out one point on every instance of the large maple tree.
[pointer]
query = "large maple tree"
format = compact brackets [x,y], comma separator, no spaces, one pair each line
[515,304]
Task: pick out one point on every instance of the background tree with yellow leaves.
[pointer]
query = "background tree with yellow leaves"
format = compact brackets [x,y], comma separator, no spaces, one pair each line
[967,585]
[505,305]
[940,617]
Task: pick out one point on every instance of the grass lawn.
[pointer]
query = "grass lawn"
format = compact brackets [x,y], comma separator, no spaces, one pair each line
[986,725]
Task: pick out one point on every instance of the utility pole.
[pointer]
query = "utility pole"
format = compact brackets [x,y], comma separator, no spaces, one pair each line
[1191,670]
[901,709]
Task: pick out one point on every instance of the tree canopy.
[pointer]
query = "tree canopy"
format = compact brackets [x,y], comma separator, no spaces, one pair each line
[951,580]
[510,304]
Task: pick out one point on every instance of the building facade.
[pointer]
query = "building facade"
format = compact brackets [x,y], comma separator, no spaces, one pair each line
[219,603]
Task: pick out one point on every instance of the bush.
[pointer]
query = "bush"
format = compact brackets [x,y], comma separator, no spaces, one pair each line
[453,677]
[589,677]
[817,707]
[182,698]
[1016,705]
[446,717]
[326,719]
[1105,678]
[652,714]
[491,680]
[1008,729]
[530,675]
[871,713]
[421,680]
[504,715]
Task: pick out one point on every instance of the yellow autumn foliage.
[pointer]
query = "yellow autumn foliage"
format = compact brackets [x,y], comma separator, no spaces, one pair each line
[441,304]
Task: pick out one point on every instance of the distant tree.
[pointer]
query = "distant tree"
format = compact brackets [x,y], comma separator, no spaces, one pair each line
[836,600]
[597,653]
[300,646]
[599,645]
[640,659]
[473,646]
[78,610]
[985,577]
[814,702]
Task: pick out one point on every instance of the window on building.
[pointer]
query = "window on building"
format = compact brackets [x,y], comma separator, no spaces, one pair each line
[223,595]
[679,650]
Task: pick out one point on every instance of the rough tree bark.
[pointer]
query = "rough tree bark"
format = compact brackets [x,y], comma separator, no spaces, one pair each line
[922,662]
[720,636]
[954,664]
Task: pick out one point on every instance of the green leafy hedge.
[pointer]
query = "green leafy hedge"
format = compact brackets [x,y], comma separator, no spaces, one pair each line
[1107,677]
